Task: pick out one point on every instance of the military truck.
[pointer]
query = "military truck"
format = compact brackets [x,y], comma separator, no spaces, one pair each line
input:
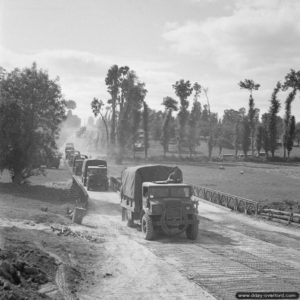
[69,149]
[90,162]
[73,155]
[97,178]
[77,166]
[150,198]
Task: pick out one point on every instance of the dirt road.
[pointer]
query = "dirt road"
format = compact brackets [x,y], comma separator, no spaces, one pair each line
[233,253]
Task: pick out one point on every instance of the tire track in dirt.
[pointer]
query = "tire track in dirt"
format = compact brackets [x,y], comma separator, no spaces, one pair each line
[223,260]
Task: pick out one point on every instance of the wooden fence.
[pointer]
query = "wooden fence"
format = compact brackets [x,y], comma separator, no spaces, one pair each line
[288,216]
[236,203]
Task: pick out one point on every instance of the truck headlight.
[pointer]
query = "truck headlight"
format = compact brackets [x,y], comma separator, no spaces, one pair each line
[188,207]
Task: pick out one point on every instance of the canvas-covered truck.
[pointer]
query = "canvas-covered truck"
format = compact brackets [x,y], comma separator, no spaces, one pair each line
[97,178]
[90,162]
[150,198]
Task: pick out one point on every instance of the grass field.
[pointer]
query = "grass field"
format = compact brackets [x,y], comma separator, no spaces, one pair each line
[276,184]
[156,149]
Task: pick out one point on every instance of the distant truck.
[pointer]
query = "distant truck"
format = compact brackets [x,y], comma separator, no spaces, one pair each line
[69,148]
[152,197]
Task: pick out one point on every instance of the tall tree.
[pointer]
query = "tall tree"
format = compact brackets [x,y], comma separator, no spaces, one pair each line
[231,119]
[237,137]
[113,85]
[31,110]
[291,135]
[170,106]
[250,85]
[146,127]
[259,138]
[272,129]
[265,133]
[133,94]
[245,137]
[193,121]
[183,89]
[292,81]
[97,108]
[210,142]
[297,133]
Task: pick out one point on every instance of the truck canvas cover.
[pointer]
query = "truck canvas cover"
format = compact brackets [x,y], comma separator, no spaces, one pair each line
[133,177]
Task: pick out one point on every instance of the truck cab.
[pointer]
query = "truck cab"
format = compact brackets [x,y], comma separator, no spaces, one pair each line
[169,206]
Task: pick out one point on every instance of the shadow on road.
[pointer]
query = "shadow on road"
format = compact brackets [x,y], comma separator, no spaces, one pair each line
[205,237]
[105,208]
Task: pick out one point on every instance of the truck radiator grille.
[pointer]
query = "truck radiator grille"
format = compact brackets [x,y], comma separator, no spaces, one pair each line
[173,213]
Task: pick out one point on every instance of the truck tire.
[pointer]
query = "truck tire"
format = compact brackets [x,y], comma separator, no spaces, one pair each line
[192,230]
[129,219]
[124,214]
[147,227]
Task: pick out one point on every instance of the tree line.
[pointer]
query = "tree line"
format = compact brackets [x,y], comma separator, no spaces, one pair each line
[242,130]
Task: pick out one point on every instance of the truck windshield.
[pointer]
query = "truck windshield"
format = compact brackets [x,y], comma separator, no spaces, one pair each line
[179,191]
[159,192]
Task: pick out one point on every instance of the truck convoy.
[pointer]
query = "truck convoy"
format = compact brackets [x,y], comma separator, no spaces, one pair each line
[154,197]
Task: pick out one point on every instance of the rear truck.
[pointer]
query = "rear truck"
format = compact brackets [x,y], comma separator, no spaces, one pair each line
[150,198]
[88,163]
[97,178]
[77,166]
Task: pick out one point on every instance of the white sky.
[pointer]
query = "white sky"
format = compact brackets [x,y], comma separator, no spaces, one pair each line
[216,43]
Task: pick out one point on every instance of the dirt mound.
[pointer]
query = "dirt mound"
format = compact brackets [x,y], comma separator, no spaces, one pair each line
[23,270]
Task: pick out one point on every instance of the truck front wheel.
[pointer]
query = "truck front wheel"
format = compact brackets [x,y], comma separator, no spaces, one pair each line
[192,231]
[147,227]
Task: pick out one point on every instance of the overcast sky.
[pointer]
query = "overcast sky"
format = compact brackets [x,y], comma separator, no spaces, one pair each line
[216,43]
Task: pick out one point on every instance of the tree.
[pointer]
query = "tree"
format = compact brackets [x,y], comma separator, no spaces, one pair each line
[156,119]
[237,137]
[170,106]
[31,110]
[259,138]
[97,107]
[212,120]
[291,135]
[292,81]
[183,89]
[193,121]
[204,122]
[250,85]
[132,95]
[113,85]
[297,133]
[265,133]
[272,129]
[245,136]
[231,119]
[146,128]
